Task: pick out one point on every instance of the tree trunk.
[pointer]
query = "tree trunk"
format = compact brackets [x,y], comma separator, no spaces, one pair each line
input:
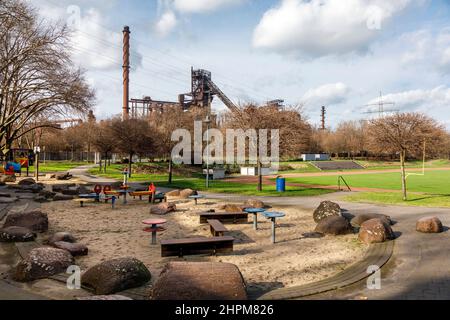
[402,165]
[170,171]
[260,177]
[130,165]
[101,165]
[106,162]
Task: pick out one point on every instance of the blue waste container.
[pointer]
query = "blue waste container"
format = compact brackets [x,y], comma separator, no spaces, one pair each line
[281,184]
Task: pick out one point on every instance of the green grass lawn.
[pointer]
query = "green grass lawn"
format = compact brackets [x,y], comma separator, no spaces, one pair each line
[197,182]
[435,182]
[218,186]
[395,198]
[380,165]
[56,166]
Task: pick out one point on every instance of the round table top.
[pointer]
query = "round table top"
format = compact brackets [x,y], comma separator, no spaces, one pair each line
[154,221]
[270,215]
[255,210]
[199,196]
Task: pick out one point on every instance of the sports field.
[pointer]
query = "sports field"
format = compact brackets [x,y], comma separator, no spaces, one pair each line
[433,182]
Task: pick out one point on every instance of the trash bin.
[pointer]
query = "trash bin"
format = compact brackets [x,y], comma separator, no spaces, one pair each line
[281,184]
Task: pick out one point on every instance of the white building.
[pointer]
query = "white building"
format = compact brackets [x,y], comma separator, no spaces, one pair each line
[315,157]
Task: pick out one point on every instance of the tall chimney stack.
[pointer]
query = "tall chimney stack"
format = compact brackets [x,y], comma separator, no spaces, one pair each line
[126,72]
[323,118]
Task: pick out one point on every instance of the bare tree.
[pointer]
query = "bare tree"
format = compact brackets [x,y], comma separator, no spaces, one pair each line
[295,132]
[132,136]
[37,76]
[405,133]
[103,140]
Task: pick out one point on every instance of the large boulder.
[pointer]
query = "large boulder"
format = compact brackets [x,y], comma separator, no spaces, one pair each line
[27,182]
[8,179]
[334,225]
[71,191]
[35,220]
[361,218]
[116,275]
[75,249]
[254,203]
[326,209]
[43,263]
[200,281]
[375,231]
[429,225]
[61,236]
[163,208]
[186,193]
[47,194]
[174,193]
[62,197]
[60,187]
[16,234]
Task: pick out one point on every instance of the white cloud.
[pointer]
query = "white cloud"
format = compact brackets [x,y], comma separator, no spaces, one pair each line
[420,100]
[169,11]
[202,6]
[324,27]
[166,23]
[426,47]
[325,95]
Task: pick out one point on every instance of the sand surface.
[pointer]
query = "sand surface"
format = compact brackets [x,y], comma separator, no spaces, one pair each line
[296,259]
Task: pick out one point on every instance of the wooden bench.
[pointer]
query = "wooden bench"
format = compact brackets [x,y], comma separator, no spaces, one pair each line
[83,201]
[159,196]
[194,246]
[224,217]
[217,228]
[113,193]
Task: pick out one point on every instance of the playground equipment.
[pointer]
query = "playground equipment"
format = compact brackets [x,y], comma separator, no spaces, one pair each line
[423,163]
[273,216]
[342,180]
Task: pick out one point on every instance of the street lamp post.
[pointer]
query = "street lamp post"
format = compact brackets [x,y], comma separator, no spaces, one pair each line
[208,124]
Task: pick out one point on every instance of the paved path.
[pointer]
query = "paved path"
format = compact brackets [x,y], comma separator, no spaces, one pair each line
[420,266]
[82,173]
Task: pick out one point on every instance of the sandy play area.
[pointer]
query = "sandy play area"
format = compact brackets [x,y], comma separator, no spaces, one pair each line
[298,257]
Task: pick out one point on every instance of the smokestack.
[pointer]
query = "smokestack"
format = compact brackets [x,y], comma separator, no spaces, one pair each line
[324,112]
[126,72]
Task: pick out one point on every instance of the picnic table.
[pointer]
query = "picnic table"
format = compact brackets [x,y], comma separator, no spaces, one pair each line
[90,196]
[255,212]
[273,216]
[197,197]
[154,227]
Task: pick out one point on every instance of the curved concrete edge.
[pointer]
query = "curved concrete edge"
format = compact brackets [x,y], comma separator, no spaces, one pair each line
[377,255]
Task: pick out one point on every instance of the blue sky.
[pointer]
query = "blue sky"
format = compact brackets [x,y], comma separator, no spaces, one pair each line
[338,53]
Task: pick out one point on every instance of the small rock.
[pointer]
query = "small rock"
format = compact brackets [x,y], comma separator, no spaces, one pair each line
[254,203]
[186,193]
[62,197]
[16,234]
[35,220]
[232,208]
[63,176]
[62,236]
[8,178]
[174,193]
[326,209]
[163,208]
[375,231]
[75,249]
[334,225]
[27,182]
[429,225]
[43,263]
[116,275]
